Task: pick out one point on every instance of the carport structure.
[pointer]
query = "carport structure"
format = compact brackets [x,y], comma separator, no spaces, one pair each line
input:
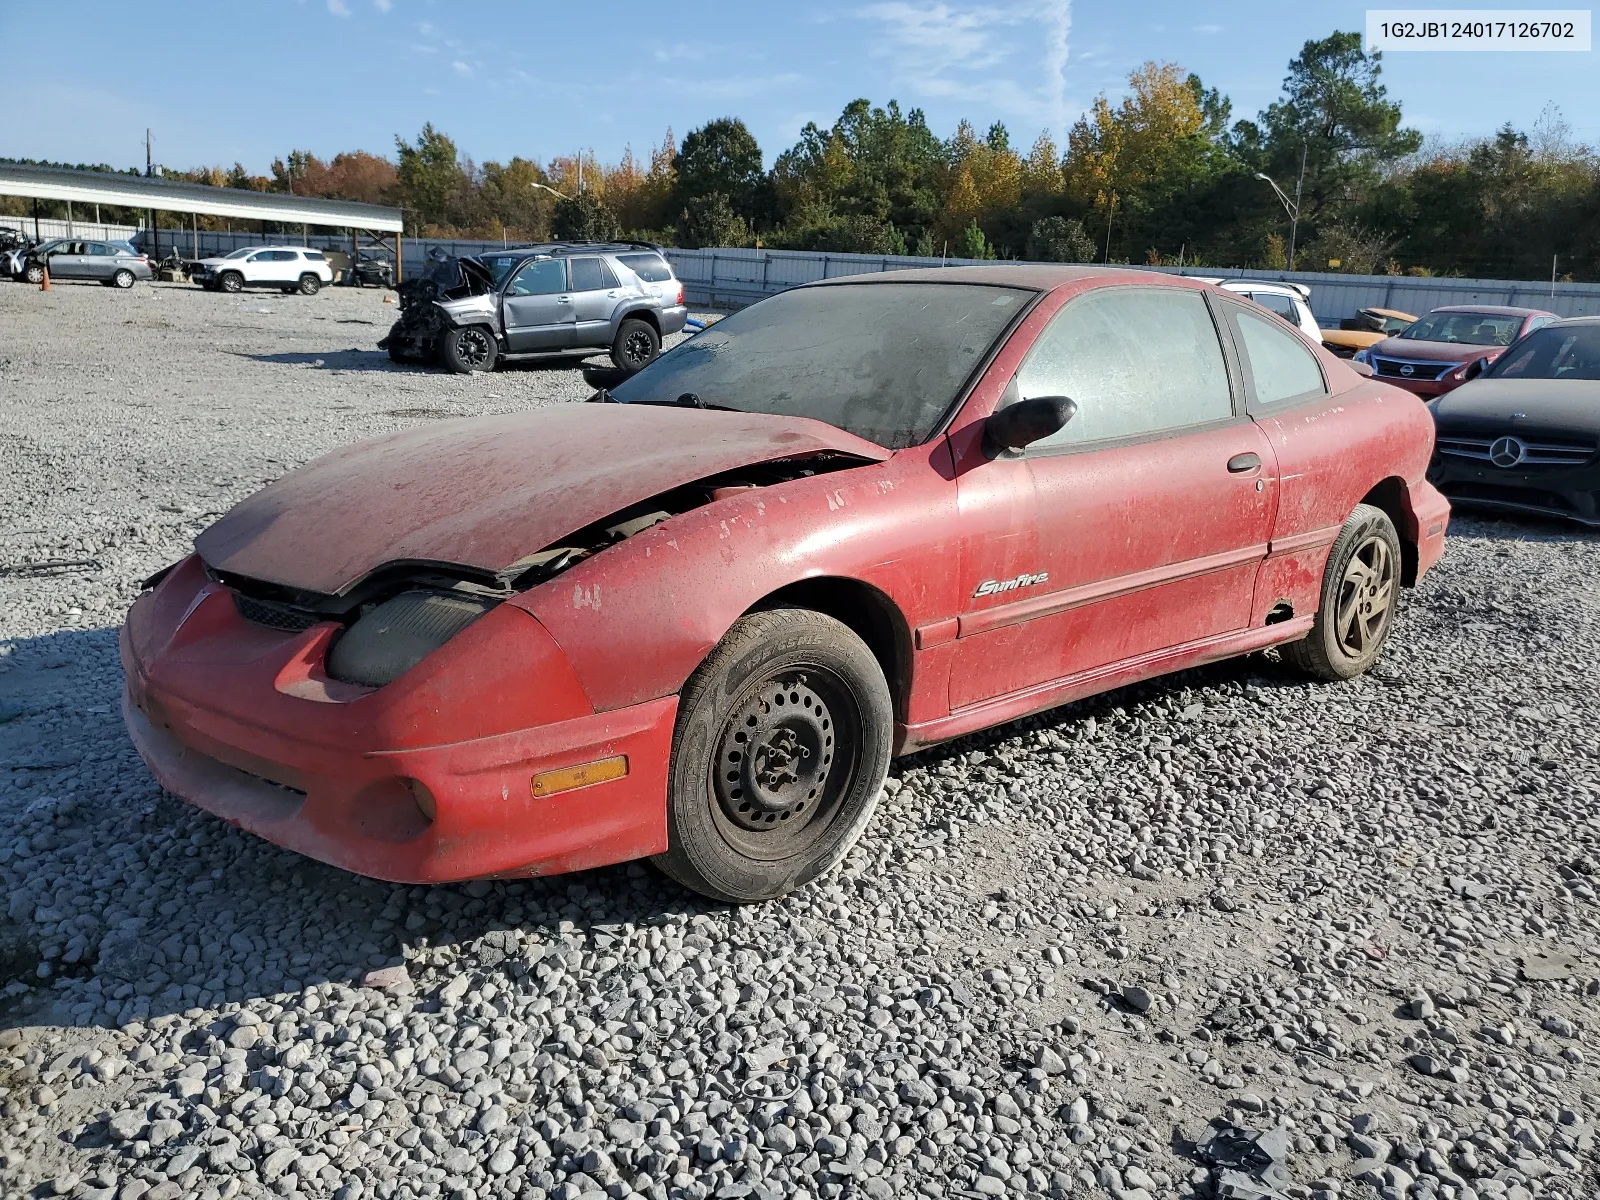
[370,225]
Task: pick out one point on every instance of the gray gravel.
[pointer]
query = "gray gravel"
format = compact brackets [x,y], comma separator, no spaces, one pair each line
[1229,931]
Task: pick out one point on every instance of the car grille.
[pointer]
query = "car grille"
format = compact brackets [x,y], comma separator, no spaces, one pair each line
[1406,368]
[1547,452]
[273,616]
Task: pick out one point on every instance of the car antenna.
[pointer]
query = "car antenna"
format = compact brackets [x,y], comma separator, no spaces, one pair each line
[691,400]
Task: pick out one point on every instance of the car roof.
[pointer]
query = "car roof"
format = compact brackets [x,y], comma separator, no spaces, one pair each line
[560,249]
[1491,310]
[1585,319]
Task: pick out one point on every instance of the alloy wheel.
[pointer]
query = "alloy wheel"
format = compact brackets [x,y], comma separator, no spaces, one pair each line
[1366,597]
[472,347]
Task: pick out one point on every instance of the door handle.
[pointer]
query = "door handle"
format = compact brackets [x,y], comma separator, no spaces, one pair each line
[1241,463]
[564,300]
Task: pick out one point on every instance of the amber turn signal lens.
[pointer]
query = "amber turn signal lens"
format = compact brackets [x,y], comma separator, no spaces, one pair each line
[565,779]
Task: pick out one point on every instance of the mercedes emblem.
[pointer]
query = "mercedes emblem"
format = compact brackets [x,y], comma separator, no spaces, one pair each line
[1507,452]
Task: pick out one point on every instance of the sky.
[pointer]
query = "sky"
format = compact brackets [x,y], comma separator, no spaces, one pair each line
[221,81]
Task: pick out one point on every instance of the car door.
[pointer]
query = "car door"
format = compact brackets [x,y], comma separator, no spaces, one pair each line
[257,267]
[536,307]
[69,261]
[1139,527]
[595,293]
[100,260]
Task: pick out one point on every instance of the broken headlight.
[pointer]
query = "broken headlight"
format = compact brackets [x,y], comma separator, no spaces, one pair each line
[392,637]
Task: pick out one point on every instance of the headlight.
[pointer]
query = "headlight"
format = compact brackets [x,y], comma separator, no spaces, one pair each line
[399,633]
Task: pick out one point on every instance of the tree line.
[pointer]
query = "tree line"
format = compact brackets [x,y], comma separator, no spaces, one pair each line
[1165,175]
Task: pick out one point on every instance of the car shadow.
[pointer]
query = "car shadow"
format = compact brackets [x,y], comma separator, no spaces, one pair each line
[338,360]
[1517,527]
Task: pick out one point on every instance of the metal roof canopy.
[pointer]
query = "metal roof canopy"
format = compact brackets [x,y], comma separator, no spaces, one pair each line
[140,191]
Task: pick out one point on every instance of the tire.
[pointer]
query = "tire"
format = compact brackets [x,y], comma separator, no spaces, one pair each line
[468,350]
[801,688]
[231,281]
[34,273]
[122,279]
[1360,594]
[310,285]
[636,345]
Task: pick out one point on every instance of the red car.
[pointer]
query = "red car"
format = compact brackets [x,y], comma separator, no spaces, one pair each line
[695,618]
[1449,346]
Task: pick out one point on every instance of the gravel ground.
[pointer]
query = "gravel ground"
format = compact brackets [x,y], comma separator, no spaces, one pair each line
[1227,933]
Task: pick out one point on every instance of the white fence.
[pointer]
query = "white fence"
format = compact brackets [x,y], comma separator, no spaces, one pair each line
[61,229]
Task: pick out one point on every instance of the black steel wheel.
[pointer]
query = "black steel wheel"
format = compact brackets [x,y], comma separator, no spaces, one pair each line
[779,754]
[1360,594]
[636,345]
[467,350]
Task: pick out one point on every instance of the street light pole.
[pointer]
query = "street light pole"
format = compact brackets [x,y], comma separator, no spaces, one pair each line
[544,187]
[1292,207]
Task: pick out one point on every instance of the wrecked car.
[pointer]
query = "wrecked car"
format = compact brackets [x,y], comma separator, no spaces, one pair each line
[558,299]
[693,619]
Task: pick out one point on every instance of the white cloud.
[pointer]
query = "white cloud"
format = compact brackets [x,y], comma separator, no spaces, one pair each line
[1208,28]
[985,54]
[460,68]
[338,8]
[383,5]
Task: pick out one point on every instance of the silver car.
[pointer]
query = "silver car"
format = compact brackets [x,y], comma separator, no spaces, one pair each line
[554,299]
[114,264]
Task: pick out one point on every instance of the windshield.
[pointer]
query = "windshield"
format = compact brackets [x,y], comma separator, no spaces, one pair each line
[1469,328]
[241,252]
[883,361]
[1571,353]
[499,265]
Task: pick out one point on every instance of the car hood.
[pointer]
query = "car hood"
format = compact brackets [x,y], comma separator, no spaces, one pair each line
[486,492]
[1532,406]
[1398,347]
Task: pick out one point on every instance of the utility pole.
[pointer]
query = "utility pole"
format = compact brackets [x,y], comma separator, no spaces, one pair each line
[1299,185]
[1110,212]
[149,168]
[1553,258]
[580,172]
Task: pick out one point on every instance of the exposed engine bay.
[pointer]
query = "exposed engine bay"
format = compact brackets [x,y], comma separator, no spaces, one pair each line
[427,303]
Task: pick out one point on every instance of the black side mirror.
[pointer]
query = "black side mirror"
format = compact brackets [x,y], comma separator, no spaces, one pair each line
[1019,425]
[1476,367]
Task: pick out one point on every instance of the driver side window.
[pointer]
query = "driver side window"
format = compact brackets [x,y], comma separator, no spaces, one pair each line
[1134,360]
[541,277]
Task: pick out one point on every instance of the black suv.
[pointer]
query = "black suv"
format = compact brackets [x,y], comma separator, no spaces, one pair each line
[544,301]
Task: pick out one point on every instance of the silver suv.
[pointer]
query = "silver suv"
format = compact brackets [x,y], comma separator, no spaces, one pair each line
[545,301]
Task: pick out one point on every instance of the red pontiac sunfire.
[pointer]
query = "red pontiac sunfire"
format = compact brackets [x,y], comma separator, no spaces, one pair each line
[694,618]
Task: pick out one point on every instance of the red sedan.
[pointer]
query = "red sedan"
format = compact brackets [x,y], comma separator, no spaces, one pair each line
[1449,346]
[695,618]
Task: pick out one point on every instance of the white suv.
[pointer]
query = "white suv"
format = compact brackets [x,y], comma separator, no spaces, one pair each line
[1288,300]
[288,268]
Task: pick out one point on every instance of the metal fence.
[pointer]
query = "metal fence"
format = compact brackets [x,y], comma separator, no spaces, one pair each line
[730,278]
[48,228]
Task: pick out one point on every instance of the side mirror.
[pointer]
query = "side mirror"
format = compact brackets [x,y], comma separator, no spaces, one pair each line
[1476,367]
[1361,368]
[1019,425]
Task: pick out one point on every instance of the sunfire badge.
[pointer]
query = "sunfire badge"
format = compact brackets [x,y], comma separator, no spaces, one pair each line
[993,587]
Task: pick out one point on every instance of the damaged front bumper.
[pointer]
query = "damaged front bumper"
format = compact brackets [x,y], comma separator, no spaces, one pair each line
[432,778]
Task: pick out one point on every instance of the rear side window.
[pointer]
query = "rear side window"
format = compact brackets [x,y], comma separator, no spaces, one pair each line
[592,275]
[1136,361]
[1273,302]
[651,268]
[316,256]
[1280,365]
[101,250]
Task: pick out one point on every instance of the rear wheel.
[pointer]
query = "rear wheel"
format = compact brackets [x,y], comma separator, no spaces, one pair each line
[1360,593]
[636,345]
[123,278]
[778,758]
[468,350]
[310,285]
[231,281]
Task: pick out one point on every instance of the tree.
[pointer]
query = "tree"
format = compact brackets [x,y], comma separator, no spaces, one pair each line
[972,243]
[584,218]
[1336,117]
[721,157]
[1060,239]
[430,176]
[709,220]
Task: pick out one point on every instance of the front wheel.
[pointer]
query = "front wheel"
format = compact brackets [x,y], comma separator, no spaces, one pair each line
[1360,593]
[468,350]
[636,345]
[232,282]
[781,746]
[310,285]
[34,273]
